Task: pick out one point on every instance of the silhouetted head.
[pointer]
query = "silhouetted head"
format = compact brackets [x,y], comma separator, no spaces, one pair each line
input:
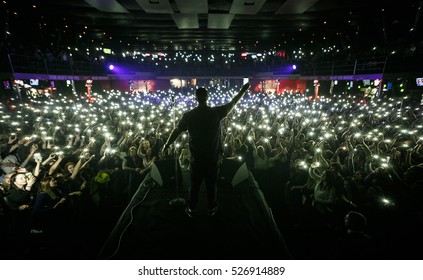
[336,167]
[201,95]
[355,221]
[413,174]
[261,151]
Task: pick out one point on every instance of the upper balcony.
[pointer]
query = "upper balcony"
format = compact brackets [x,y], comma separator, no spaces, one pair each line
[324,69]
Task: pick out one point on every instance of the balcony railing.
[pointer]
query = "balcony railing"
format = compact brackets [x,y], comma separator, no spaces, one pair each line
[31,64]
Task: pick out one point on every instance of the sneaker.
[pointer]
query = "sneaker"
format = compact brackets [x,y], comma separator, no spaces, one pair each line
[212,211]
[191,213]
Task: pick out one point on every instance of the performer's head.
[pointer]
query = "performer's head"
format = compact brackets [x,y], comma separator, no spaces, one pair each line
[201,95]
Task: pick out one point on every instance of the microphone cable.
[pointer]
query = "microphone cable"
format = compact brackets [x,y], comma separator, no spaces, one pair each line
[131,218]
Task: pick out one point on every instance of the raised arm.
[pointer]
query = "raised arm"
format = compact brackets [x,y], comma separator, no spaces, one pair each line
[37,166]
[30,155]
[238,97]
[53,168]
[76,169]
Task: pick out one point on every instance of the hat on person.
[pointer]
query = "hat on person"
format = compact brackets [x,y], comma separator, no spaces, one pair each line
[102,177]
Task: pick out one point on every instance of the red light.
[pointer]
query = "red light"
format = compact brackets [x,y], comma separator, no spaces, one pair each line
[281,53]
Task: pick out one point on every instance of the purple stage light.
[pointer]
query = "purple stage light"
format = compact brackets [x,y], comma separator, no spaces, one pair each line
[294,67]
[111,67]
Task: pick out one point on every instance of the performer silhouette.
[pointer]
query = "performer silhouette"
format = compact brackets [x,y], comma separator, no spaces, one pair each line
[205,146]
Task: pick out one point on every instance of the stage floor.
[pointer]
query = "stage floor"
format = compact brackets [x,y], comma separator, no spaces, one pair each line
[150,228]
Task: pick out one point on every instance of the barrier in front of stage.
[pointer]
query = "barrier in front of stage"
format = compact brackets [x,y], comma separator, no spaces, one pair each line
[232,172]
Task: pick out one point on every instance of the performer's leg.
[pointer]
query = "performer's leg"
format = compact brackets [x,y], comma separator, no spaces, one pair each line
[211,186]
[194,190]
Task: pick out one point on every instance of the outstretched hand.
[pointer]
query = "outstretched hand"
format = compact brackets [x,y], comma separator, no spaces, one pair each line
[246,86]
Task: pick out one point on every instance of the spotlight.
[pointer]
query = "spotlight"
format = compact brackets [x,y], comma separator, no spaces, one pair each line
[111,67]
[294,67]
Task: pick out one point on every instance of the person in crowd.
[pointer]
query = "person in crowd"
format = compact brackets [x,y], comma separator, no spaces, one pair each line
[9,164]
[135,170]
[5,186]
[19,201]
[5,210]
[111,164]
[45,213]
[145,151]
[355,243]
[184,159]
[20,192]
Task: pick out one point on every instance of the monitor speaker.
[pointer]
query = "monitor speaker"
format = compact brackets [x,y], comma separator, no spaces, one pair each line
[163,172]
[233,172]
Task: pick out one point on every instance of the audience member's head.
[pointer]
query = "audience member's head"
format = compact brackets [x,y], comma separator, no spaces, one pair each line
[355,221]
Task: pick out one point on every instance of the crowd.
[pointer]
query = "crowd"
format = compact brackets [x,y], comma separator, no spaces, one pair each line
[65,160]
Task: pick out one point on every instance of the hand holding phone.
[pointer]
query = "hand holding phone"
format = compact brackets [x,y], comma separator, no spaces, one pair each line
[38,157]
